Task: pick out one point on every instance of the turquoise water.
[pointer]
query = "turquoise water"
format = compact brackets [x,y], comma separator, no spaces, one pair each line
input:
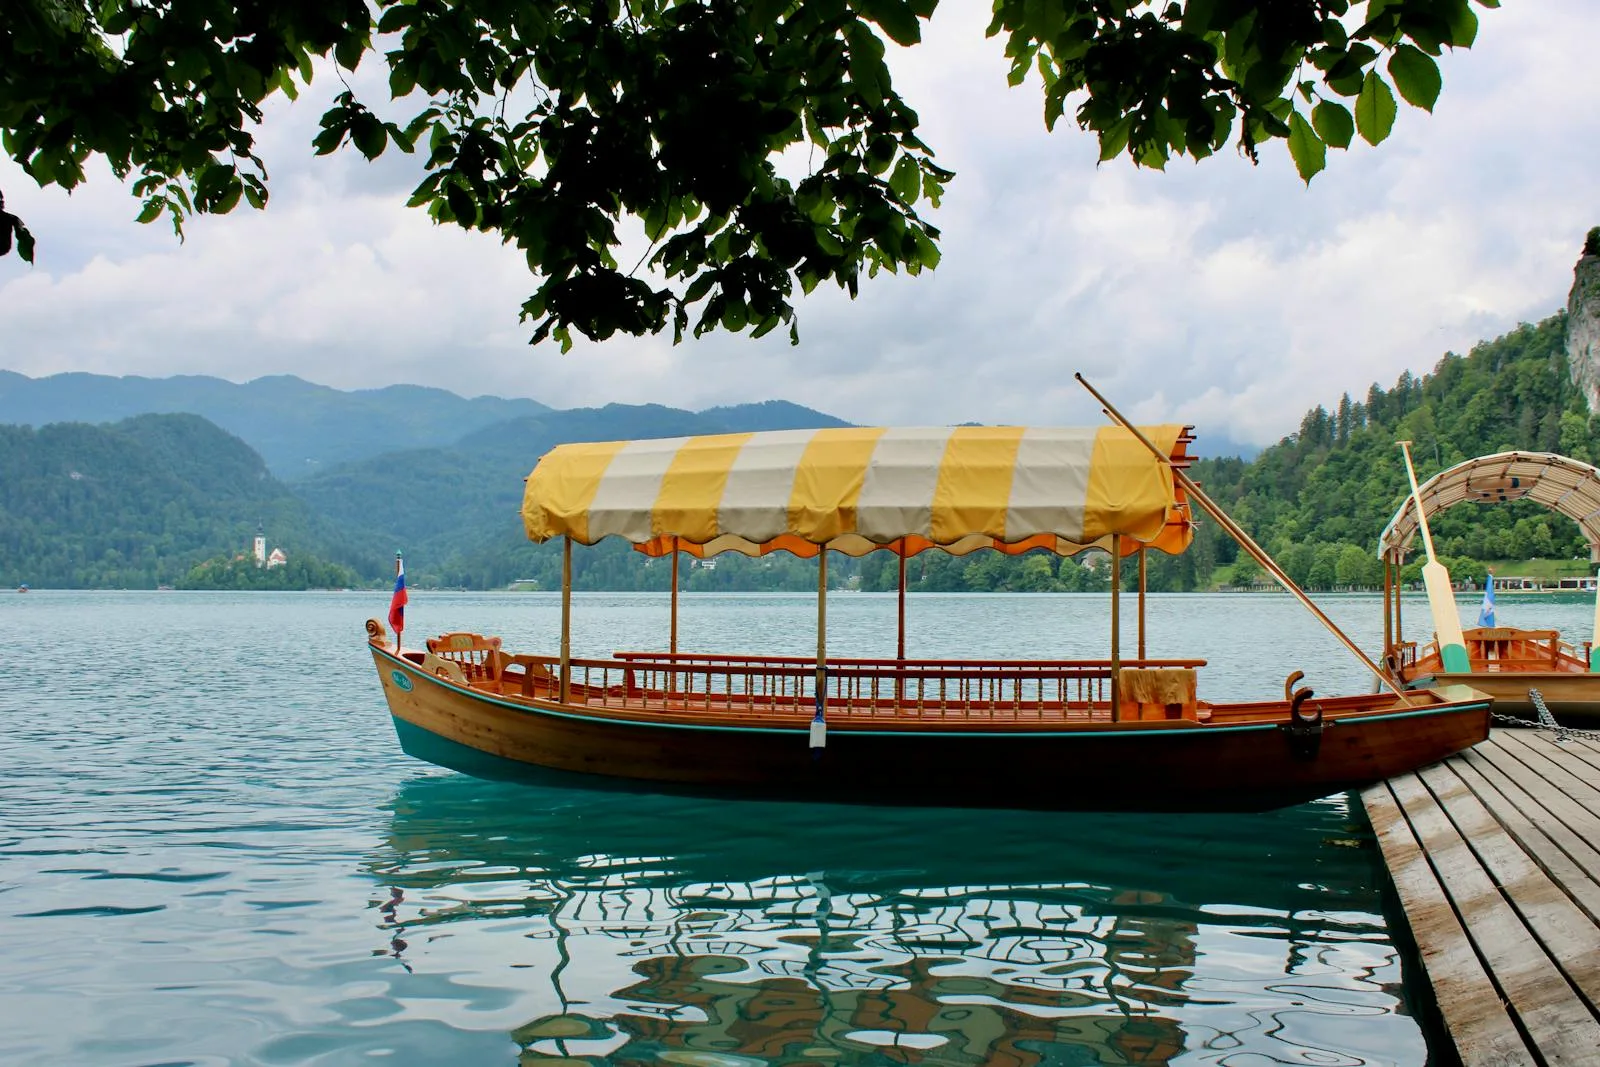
[213,852]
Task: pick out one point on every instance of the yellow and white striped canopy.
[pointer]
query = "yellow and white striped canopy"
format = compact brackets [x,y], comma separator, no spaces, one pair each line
[857,489]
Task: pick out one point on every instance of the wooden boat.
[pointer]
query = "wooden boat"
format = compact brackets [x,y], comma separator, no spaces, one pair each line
[1114,733]
[1508,663]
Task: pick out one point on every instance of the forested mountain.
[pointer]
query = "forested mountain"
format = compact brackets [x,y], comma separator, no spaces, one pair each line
[139,502]
[298,427]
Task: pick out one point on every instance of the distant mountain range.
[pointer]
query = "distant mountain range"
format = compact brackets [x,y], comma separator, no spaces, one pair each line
[298,427]
[302,429]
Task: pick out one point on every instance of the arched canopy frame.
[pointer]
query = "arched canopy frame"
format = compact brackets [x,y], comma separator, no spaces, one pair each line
[861,489]
[1560,483]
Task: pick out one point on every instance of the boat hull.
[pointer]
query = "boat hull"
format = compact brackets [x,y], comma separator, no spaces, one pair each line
[1139,766]
[1570,697]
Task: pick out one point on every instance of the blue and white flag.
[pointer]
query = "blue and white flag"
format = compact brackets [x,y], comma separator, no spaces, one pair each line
[1486,613]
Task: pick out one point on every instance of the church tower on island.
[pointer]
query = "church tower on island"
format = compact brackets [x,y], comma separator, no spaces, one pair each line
[261,546]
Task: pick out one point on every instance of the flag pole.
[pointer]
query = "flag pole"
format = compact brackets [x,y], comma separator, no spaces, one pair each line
[397,603]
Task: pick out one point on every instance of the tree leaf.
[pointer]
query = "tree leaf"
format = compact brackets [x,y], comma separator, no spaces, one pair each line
[906,181]
[1375,109]
[1333,124]
[895,18]
[369,135]
[1416,75]
[1463,23]
[1309,153]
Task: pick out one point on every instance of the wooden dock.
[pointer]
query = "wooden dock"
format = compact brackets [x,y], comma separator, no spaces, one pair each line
[1495,856]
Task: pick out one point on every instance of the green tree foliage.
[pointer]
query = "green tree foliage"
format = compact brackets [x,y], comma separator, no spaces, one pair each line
[1319,498]
[564,126]
[233,572]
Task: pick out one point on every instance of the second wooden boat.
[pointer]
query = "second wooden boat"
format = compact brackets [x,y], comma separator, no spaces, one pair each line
[1506,662]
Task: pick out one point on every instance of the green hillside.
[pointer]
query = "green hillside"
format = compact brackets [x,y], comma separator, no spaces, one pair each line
[140,502]
[1325,493]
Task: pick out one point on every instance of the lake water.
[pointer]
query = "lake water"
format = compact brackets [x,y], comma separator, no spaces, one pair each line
[212,851]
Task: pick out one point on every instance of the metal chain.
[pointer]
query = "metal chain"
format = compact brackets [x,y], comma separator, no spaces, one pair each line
[1545,721]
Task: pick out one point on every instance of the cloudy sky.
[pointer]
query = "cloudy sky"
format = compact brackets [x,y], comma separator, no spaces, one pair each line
[1222,294]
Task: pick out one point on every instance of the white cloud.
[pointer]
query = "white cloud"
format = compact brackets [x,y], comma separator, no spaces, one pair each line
[1221,293]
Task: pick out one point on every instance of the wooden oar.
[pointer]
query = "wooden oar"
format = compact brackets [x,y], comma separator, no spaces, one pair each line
[1436,579]
[1245,541]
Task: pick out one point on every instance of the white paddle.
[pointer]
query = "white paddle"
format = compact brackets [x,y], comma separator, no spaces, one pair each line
[1441,598]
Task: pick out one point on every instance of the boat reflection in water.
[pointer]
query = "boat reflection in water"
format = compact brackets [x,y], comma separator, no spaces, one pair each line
[638,929]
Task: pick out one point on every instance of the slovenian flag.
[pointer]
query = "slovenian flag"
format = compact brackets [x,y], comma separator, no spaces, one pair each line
[1486,613]
[397,605]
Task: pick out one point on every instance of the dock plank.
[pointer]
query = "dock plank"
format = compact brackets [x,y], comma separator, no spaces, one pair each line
[1544,763]
[1558,1024]
[1564,856]
[1567,935]
[1476,1017]
[1584,822]
[1495,857]
[1568,755]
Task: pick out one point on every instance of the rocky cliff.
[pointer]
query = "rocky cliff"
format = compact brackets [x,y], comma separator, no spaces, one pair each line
[1583,322]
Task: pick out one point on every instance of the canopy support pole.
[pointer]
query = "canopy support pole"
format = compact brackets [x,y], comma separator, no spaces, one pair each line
[1399,587]
[1388,606]
[900,642]
[1143,580]
[1594,644]
[672,647]
[1116,628]
[1245,541]
[819,722]
[566,619]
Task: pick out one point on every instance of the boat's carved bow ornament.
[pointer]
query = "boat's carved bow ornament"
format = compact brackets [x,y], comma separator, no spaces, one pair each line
[1304,728]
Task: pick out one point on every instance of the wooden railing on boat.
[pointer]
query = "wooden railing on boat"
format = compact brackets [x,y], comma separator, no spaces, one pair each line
[786,686]
[1500,649]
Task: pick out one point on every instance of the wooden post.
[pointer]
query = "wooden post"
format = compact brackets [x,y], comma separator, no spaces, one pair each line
[1142,580]
[1594,653]
[1388,606]
[900,644]
[1399,587]
[822,611]
[819,728]
[566,619]
[673,646]
[1116,627]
